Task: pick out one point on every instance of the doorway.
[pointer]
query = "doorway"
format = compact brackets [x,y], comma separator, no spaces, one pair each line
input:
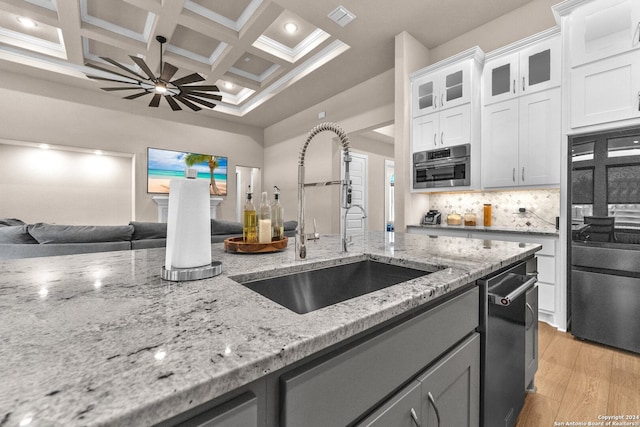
[389,205]
[355,223]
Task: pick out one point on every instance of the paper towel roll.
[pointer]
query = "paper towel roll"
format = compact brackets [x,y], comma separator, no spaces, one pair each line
[188,224]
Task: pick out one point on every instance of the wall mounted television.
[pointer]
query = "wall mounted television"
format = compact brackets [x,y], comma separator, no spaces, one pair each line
[165,165]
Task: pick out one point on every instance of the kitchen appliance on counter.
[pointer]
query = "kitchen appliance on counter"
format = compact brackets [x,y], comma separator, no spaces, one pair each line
[509,341]
[603,299]
[444,167]
[433,217]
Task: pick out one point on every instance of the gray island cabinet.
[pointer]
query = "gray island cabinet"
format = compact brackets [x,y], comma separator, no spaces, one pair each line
[100,339]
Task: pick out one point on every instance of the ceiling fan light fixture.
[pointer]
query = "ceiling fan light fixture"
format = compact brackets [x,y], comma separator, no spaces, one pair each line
[161,88]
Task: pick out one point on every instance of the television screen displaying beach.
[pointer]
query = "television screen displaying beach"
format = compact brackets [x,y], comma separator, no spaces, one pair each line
[165,165]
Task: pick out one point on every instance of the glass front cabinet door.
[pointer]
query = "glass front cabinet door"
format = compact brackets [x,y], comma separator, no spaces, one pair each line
[531,69]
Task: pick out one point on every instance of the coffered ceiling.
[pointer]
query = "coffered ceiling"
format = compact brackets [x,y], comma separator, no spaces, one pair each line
[265,73]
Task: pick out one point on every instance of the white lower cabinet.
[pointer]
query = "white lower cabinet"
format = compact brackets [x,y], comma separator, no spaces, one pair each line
[447,394]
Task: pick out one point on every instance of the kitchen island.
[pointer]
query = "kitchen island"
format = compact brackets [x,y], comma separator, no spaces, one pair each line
[100,339]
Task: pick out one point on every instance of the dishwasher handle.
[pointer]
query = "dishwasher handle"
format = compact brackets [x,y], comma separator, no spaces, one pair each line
[507,299]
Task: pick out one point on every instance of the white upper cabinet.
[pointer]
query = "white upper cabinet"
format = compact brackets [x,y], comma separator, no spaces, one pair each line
[521,141]
[521,116]
[530,69]
[605,91]
[442,88]
[602,42]
[445,106]
[442,129]
[603,28]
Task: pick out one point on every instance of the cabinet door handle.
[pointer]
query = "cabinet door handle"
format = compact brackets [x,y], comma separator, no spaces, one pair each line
[533,315]
[414,417]
[523,174]
[442,138]
[435,143]
[638,101]
[442,100]
[513,175]
[514,85]
[435,408]
[523,83]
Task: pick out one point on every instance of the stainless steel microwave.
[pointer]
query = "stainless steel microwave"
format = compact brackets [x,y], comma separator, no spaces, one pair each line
[444,167]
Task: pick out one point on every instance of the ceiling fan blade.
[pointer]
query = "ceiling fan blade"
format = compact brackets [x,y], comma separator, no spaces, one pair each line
[143,66]
[206,95]
[109,89]
[199,101]
[168,71]
[137,95]
[155,101]
[123,67]
[191,78]
[113,80]
[109,71]
[200,88]
[188,103]
[174,105]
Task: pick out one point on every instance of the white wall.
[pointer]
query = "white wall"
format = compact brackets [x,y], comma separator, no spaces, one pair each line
[64,187]
[29,116]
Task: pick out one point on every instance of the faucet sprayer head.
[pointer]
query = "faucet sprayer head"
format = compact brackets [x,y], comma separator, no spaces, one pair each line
[344,140]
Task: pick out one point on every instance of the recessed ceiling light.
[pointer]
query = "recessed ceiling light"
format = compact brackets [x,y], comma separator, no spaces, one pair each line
[26,22]
[290,27]
[98,152]
[44,146]
[229,85]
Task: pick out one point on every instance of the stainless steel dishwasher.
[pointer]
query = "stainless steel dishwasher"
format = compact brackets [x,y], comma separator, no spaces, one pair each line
[504,310]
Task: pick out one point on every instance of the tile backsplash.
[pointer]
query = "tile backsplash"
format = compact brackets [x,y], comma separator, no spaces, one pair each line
[542,206]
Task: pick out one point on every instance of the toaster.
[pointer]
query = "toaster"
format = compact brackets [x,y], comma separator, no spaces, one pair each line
[432,217]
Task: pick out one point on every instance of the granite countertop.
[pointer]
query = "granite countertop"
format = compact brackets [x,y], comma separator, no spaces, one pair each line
[100,339]
[551,231]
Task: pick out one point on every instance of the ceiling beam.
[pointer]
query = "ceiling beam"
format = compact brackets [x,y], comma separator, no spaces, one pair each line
[69,24]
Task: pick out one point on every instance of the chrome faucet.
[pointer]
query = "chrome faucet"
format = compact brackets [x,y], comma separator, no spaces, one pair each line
[301,237]
[345,242]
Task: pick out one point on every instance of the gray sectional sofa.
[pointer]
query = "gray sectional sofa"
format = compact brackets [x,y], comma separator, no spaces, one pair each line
[20,240]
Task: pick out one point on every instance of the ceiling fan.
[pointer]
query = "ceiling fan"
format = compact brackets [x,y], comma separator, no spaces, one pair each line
[161,86]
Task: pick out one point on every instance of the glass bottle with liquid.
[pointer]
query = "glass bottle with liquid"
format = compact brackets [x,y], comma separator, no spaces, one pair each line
[486,213]
[264,220]
[249,220]
[277,215]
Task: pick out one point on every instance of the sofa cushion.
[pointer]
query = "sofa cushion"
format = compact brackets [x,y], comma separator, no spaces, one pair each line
[219,226]
[54,233]
[16,234]
[149,230]
[5,222]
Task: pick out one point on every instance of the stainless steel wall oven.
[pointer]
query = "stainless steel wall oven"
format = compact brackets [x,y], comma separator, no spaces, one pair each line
[444,167]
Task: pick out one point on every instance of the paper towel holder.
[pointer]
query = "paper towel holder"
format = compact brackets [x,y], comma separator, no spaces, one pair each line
[194,273]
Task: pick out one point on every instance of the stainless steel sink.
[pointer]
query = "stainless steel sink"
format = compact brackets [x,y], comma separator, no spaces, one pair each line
[311,290]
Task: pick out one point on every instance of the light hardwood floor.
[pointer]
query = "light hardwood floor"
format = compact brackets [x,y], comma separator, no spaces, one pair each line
[579,381]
